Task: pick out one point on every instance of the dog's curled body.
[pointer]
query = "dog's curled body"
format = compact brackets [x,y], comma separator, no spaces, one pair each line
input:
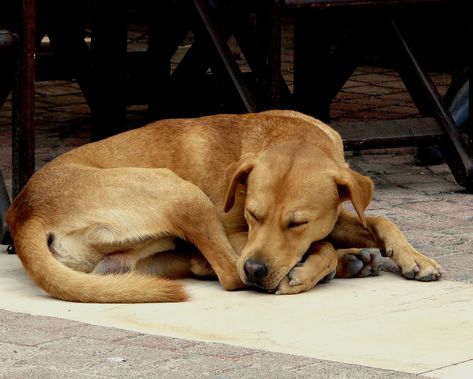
[115,206]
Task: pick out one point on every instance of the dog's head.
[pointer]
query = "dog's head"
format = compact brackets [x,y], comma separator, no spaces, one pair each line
[293,198]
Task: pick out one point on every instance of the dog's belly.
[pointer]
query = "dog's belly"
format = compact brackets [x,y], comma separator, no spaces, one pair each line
[76,252]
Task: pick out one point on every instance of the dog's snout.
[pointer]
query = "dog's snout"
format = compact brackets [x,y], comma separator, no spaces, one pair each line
[255,271]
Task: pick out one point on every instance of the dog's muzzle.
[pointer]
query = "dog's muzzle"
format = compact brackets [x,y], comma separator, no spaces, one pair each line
[255,272]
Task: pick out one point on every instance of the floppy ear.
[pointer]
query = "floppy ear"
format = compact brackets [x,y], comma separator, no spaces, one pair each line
[357,188]
[236,174]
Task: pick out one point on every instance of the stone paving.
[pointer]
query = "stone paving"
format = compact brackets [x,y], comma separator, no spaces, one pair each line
[426,203]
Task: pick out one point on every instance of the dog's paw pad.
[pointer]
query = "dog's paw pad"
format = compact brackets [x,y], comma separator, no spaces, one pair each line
[372,259]
[351,266]
[365,271]
[410,271]
[419,267]
[411,274]
[366,263]
[429,277]
[430,274]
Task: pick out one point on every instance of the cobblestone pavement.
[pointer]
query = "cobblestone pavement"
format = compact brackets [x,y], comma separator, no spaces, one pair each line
[426,203]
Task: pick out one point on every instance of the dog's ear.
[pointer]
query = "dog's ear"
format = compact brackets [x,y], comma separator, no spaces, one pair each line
[357,188]
[237,173]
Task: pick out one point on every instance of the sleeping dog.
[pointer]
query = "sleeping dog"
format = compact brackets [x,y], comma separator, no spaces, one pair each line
[260,196]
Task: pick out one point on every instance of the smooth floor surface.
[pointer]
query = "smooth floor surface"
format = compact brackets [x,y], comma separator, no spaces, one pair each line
[384,322]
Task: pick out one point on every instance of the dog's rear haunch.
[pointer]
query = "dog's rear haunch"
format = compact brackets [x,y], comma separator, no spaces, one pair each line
[259,196]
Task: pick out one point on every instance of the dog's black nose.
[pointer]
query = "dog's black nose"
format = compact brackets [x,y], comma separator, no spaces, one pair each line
[255,271]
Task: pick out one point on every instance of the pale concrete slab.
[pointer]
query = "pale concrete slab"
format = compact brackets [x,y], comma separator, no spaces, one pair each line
[384,322]
[462,370]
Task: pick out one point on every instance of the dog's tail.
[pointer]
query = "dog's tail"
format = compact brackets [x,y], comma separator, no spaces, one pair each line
[64,283]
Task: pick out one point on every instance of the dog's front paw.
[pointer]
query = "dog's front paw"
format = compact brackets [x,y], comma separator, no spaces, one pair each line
[299,279]
[419,267]
[285,288]
[230,281]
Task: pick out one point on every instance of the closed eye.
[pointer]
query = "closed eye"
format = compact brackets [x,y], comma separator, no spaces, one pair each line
[295,224]
[252,215]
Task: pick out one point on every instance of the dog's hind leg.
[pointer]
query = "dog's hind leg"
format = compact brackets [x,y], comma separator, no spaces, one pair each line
[176,264]
[186,212]
[126,209]
[115,263]
[125,261]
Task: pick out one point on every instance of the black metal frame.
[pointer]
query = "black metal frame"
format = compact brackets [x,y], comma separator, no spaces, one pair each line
[23,131]
[427,99]
[318,77]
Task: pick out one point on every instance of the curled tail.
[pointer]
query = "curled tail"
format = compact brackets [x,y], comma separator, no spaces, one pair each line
[64,283]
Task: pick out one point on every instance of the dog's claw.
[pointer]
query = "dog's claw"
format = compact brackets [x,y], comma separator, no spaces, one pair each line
[412,272]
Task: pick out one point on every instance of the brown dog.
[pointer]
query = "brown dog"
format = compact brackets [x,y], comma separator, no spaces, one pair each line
[259,195]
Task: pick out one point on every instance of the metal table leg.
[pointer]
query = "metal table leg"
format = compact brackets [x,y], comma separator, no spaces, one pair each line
[225,55]
[109,48]
[419,84]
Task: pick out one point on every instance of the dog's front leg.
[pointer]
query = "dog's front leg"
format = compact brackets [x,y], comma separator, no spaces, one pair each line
[383,234]
[218,252]
[320,263]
